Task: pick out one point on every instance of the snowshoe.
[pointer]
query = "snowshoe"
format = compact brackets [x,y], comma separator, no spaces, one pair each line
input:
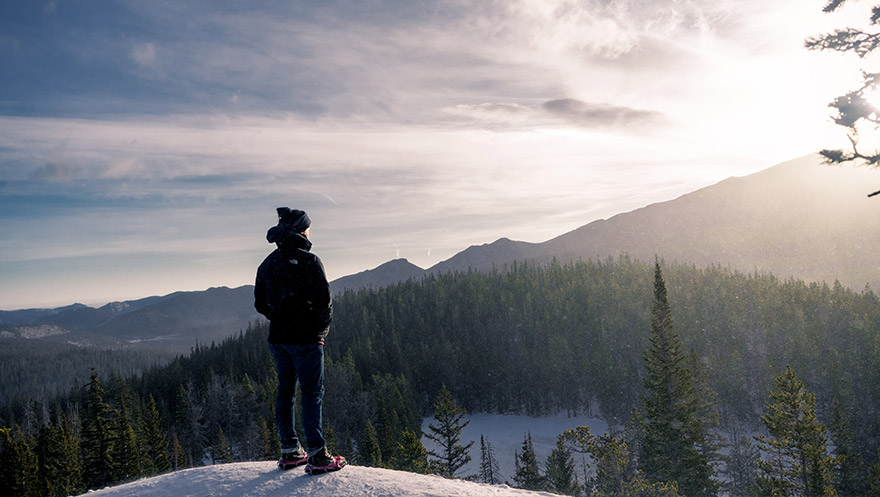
[323,462]
[293,459]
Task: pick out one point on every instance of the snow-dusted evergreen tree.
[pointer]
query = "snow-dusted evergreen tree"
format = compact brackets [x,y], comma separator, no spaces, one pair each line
[559,474]
[155,440]
[527,475]
[489,472]
[58,457]
[178,455]
[798,463]
[19,464]
[188,424]
[447,433]
[221,452]
[616,474]
[675,437]
[126,451]
[99,437]
[410,454]
[369,451]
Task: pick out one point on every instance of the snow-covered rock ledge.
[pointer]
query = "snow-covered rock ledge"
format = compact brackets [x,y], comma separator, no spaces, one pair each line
[264,479]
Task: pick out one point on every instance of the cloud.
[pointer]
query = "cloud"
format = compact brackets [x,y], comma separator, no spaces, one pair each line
[600,115]
[144,54]
[56,172]
[500,113]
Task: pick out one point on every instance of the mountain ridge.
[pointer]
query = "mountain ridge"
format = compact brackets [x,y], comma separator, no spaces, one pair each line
[798,219]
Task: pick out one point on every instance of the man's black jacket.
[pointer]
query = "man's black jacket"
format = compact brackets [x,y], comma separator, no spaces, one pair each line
[293,293]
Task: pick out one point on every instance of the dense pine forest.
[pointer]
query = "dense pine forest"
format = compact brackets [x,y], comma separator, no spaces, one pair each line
[46,369]
[529,339]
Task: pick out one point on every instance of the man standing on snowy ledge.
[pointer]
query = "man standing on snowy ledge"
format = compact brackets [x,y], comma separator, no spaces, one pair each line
[293,293]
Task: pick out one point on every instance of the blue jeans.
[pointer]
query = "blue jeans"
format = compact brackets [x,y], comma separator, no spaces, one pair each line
[306,363]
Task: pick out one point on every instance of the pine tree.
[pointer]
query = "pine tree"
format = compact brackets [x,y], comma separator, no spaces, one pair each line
[673,449]
[99,437]
[447,434]
[58,458]
[370,453]
[178,455]
[849,478]
[347,449]
[19,476]
[489,472]
[798,462]
[616,474]
[559,474]
[267,443]
[221,453]
[189,424]
[410,454]
[527,475]
[385,433]
[156,442]
[874,478]
[126,451]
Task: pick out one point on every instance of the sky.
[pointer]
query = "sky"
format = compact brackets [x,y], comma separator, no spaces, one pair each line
[144,146]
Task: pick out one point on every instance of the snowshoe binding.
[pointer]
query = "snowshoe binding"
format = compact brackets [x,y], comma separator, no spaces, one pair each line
[323,462]
[291,460]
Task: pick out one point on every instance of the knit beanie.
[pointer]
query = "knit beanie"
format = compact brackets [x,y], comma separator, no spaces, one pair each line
[290,222]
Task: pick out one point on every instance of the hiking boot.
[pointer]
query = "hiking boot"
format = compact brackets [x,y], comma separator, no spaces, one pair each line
[293,459]
[322,462]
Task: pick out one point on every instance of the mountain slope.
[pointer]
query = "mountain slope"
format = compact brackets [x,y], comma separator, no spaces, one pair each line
[798,219]
[173,323]
[386,274]
[264,479]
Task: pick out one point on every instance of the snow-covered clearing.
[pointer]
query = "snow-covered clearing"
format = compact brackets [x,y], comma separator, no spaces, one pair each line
[505,434]
[264,479]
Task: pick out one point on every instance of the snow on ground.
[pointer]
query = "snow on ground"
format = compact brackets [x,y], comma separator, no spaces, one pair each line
[264,479]
[506,433]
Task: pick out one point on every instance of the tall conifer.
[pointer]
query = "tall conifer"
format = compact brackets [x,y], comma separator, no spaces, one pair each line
[221,452]
[126,451]
[527,475]
[19,464]
[447,434]
[559,473]
[410,454]
[99,437]
[798,462]
[370,452]
[675,437]
[156,440]
[57,453]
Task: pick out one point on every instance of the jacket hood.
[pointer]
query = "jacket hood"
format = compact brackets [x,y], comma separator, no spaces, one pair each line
[282,235]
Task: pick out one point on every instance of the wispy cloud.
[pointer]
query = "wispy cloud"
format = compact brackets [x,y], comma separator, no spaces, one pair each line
[160,132]
[144,54]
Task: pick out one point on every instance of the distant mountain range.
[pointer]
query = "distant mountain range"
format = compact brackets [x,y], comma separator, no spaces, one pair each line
[798,219]
[174,322]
